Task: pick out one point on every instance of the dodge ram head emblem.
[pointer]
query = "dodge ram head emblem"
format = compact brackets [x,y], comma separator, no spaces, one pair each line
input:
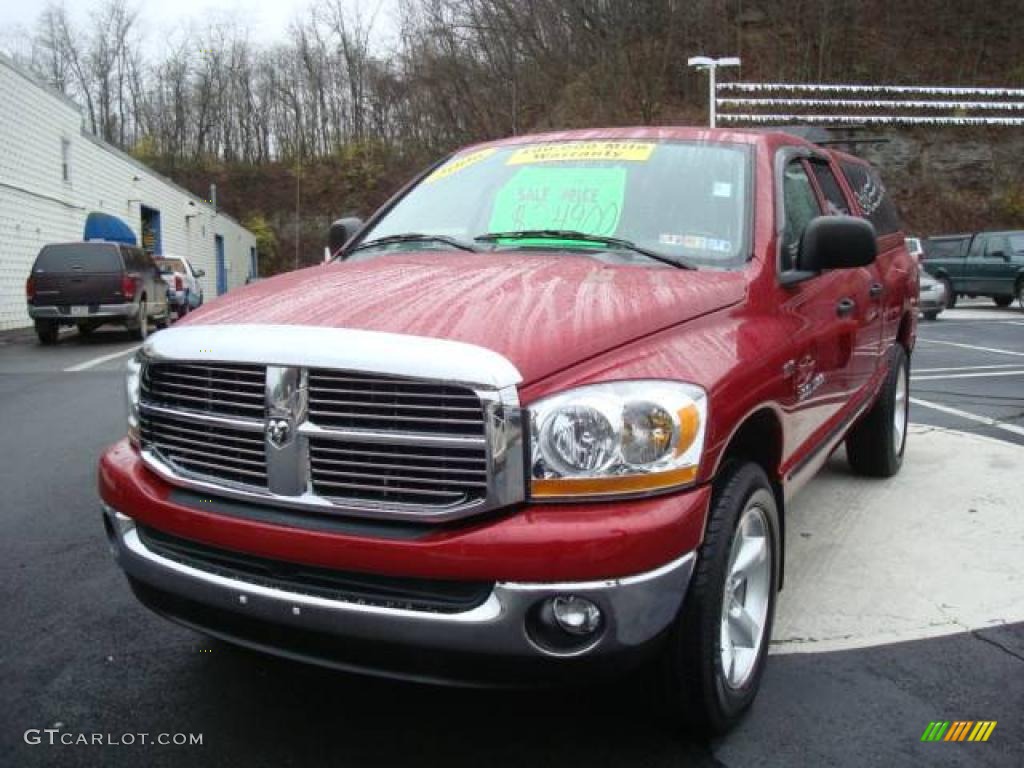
[278,432]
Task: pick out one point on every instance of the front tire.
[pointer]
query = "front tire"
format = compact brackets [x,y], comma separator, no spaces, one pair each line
[875,445]
[1003,301]
[717,649]
[932,315]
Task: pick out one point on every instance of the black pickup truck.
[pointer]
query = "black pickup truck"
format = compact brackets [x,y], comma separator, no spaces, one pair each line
[90,284]
[982,264]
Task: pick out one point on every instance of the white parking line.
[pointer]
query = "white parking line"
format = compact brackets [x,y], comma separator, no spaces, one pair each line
[100,360]
[971,346]
[966,368]
[983,375]
[969,416]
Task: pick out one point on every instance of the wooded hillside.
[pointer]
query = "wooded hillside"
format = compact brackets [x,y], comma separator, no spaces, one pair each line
[327,115]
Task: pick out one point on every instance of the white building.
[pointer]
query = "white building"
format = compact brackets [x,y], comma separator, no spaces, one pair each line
[53,174]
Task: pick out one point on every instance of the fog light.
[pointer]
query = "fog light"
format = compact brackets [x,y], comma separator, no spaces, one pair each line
[576,615]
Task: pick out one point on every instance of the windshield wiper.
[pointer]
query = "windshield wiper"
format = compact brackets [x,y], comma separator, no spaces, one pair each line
[571,234]
[417,237]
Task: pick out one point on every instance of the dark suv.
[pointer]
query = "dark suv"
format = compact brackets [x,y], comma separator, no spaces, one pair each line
[94,283]
[983,264]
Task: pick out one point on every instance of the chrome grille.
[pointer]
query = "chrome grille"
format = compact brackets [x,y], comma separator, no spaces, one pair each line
[349,400]
[367,440]
[399,474]
[213,450]
[230,390]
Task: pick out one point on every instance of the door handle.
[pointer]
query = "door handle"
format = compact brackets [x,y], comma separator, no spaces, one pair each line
[845,307]
[876,290]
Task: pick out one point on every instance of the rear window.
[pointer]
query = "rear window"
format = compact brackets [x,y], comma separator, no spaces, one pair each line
[873,198]
[944,249]
[1016,242]
[84,257]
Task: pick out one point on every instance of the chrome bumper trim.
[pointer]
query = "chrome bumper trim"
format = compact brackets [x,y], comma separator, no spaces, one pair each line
[636,609]
[102,310]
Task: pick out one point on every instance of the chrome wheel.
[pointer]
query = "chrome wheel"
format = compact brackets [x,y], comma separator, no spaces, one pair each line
[745,598]
[899,411]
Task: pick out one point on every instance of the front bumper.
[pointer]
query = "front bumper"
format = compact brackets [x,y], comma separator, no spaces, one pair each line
[96,311]
[400,642]
[177,298]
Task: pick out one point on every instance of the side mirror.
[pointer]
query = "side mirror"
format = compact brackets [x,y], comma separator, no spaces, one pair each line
[837,242]
[341,232]
[199,273]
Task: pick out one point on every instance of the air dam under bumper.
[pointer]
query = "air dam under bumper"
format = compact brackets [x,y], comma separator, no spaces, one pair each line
[636,610]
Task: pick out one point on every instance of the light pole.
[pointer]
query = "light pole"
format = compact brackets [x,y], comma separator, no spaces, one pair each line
[709,64]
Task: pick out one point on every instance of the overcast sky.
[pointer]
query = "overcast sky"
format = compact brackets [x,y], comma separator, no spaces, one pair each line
[267,20]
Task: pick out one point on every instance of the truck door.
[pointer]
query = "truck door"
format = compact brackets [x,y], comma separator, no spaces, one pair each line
[863,287]
[995,270]
[819,371]
[945,258]
[892,270]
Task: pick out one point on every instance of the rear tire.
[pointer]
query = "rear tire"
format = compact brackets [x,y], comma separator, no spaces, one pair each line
[875,445]
[48,331]
[933,316]
[1003,301]
[1020,292]
[709,678]
[950,295]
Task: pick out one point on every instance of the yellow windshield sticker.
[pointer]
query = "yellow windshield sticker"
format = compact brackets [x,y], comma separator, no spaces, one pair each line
[459,163]
[569,151]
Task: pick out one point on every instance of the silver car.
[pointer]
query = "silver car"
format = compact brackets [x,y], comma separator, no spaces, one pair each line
[932,297]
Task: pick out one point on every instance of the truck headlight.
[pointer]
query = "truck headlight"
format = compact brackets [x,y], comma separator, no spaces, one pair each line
[618,438]
[133,381]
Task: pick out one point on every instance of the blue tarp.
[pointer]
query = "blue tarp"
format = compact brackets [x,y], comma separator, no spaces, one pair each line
[103,226]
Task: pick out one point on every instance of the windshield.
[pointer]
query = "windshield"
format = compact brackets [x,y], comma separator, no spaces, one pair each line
[88,257]
[169,266]
[684,201]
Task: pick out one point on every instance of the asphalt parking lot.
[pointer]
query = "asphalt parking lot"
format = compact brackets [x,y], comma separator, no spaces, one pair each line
[904,604]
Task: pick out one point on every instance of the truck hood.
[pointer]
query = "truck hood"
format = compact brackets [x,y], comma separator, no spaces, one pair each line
[544,312]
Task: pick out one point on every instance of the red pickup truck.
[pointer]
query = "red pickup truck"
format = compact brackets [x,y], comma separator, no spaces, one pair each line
[540,417]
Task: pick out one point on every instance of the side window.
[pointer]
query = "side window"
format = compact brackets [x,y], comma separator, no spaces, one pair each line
[135,260]
[872,198]
[835,200]
[800,205]
[945,249]
[996,247]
